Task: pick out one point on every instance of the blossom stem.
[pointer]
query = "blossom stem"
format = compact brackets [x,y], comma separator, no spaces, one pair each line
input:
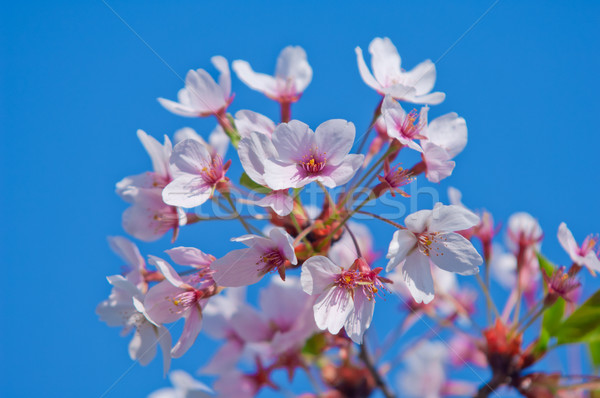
[345,220]
[488,297]
[378,217]
[353,240]
[368,361]
[286,111]
[353,187]
[237,215]
[534,313]
[301,233]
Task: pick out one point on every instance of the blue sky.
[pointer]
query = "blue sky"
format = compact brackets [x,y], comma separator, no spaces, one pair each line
[76,83]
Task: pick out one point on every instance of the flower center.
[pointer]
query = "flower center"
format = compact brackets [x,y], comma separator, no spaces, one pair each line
[314,162]
[411,126]
[347,280]
[271,260]
[213,172]
[186,299]
[425,243]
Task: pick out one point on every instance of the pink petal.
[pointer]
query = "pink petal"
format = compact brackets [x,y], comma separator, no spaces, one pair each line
[449,132]
[292,140]
[453,253]
[385,59]
[401,244]
[168,272]
[191,329]
[279,201]
[248,122]
[127,250]
[418,221]
[257,81]
[279,175]
[285,243]
[221,64]
[253,151]
[237,268]
[416,272]
[335,138]
[364,71]
[422,77]
[342,173]
[360,318]
[318,273]
[187,190]
[332,309]
[292,65]
[190,256]
[452,218]
[178,109]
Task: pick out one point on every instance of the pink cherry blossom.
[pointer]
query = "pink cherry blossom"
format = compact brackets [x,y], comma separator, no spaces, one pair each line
[346,296]
[135,268]
[149,217]
[524,232]
[389,78]
[196,175]
[184,386]
[464,350]
[253,151]
[202,96]
[584,255]
[120,310]
[446,137]
[402,126]
[130,187]
[304,156]
[430,238]
[292,76]
[179,297]
[264,255]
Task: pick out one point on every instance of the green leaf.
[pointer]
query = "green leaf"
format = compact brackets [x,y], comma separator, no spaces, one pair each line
[553,316]
[315,345]
[249,183]
[582,325]
[542,343]
[595,353]
[545,266]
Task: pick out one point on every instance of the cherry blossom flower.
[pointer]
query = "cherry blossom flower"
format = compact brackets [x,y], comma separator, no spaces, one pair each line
[402,126]
[149,217]
[346,296]
[304,156]
[247,266]
[464,350]
[583,255]
[253,151]
[392,180]
[292,76]
[202,96]
[178,297]
[120,310]
[130,187]
[135,268]
[524,232]
[388,78]
[184,386]
[430,238]
[197,174]
[560,284]
[446,138]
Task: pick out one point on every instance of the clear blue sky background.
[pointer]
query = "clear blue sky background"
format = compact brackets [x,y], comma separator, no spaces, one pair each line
[76,83]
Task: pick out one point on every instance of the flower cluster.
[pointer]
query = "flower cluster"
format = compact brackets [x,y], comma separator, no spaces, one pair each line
[317,270]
